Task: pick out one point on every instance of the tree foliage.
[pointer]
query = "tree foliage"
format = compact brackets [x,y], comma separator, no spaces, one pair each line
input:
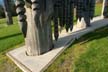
[1,12]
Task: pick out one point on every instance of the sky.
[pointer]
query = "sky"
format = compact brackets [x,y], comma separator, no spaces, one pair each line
[1,1]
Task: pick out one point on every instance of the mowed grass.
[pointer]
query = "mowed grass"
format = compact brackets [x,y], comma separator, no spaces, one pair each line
[98,9]
[11,38]
[10,35]
[87,54]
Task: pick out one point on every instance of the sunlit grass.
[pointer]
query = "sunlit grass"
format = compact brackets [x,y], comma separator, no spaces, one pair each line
[10,37]
[98,9]
[88,54]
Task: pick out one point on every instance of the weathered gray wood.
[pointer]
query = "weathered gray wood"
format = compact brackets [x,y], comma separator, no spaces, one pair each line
[7,11]
[37,29]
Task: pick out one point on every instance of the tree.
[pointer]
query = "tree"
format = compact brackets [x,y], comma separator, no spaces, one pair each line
[7,10]
[13,8]
[2,15]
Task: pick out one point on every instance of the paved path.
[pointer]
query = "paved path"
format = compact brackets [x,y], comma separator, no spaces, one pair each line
[40,63]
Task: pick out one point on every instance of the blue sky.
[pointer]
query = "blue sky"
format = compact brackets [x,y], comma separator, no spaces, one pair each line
[1,1]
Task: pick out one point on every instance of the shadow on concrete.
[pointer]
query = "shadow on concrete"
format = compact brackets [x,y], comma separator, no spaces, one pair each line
[93,35]
[97,34]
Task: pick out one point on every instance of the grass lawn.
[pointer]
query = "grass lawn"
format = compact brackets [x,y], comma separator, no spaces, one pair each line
[98,9]
[88,54]
[11,37]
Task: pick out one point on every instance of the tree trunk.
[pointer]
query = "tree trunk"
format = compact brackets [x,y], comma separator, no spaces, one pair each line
[7,11]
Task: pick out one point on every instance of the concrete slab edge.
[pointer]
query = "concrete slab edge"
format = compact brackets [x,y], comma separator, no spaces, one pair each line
[68,44]
[19,64]
[88,31]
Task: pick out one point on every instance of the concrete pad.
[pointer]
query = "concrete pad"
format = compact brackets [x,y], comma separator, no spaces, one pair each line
[40,63]
[81,24]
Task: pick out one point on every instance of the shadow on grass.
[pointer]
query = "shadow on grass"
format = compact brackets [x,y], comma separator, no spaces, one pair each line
[97,34]
[1,38]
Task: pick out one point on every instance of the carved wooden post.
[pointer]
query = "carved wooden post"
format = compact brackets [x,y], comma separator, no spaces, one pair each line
[37,29]
[79,14]
[8,12]
[85,11]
